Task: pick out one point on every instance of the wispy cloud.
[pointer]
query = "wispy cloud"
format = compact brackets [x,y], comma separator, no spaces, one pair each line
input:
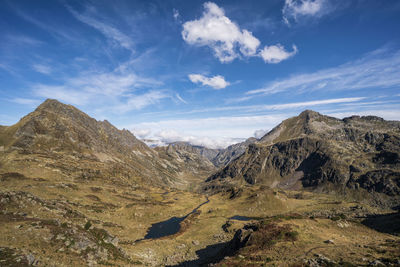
[25,101]
[119,90]
[217,82]
[376,69]
[180,98]
[62,93]
[44,69]
[23,39]
[175,14]
[107,30]
[283,106]
[298,9]
[55,31]
[139,101]
[8,68]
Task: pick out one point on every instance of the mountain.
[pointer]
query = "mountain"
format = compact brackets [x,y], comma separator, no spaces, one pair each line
[75,191]
[193,161]
[59,138]
[216,157]
[313,151]
[230,153]
[205,152]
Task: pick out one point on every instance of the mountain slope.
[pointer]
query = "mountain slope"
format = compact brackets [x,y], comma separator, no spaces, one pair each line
[59,138]
[204,152]
[191,160]
[322,153]
[230,153]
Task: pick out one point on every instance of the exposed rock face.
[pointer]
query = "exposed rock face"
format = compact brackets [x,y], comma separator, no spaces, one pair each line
[59,137]
[218,157]
[205,152]
[225,156]
[316,151]
[203,158]
[191,159]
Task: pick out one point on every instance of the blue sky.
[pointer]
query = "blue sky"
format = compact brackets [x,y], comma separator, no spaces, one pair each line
[211,73]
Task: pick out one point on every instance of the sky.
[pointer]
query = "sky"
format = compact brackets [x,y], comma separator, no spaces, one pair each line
[209,73]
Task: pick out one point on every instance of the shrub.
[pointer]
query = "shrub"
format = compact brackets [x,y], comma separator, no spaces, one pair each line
[88,225]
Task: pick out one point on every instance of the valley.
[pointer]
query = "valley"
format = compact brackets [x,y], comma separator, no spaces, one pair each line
[75,191]
[92,223]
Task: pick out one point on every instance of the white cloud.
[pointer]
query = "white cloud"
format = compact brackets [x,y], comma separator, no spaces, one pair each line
[378,69]
[216,82]
[215,132]
[107,30]
[141,133]
[259,133]
[217,31]
[276,53]
[42,68]
[297,9]
[169,136]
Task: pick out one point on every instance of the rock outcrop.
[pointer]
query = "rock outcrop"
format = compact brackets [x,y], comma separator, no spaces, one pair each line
[225,156]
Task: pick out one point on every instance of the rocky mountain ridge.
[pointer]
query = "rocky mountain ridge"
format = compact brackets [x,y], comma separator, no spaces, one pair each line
[318,152]
[65,140]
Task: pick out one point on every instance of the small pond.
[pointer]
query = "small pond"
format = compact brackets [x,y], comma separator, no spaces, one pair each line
[170,226]
[241,218]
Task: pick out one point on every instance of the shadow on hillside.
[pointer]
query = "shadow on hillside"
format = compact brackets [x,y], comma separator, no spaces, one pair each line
[386,223]
[210,254]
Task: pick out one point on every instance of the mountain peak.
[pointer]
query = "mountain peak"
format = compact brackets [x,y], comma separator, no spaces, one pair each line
[56,106]
[308,113]
[51,103]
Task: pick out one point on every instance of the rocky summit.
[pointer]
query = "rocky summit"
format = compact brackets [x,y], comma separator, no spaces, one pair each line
[314,191]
